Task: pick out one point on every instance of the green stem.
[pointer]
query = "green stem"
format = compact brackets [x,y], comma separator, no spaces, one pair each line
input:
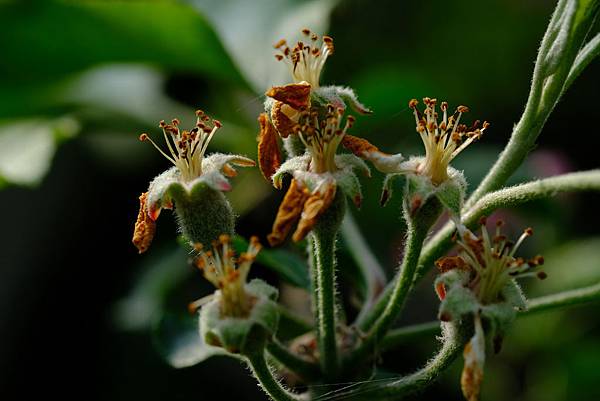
[585,56]
[324,244]
[563,299]
[418,227]
[291,361]
[267,381]
[507,197]
[556,59]
[370,268]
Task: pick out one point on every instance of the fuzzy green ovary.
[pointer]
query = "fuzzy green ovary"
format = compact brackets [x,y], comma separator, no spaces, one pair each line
[204,216]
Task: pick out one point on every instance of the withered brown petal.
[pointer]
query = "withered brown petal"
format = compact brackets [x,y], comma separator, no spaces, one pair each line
[145,227]
[295,95]
[284,125]
[289,212]
[269,156]
[314,207]
[472,375]
[359,146]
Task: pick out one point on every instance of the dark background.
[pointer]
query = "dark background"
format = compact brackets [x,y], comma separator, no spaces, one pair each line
[66,259]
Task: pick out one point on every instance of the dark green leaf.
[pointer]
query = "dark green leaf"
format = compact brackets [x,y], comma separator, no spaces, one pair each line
[287,265]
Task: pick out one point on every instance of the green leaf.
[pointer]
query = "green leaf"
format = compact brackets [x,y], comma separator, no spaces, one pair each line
[27,148]
[177,337]
[287,265]
[169,34]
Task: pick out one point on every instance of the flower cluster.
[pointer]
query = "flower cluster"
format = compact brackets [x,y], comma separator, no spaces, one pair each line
[312,117]
[480,282]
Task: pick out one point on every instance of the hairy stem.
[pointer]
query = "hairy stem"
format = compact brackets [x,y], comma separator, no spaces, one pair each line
[585,56]
[563,38]
[291,361]
[564,299]
[507,197]
[267,381]
[326,308]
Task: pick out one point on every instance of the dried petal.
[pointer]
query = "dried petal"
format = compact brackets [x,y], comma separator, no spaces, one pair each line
[382,161]
[314,207]
[295,95]
[269,156]
[359,146]
[280,114]
[289,212]
[474,354]
[145,227]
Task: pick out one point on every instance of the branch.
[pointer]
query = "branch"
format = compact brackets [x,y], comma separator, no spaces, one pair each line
[267,381]
[563,299]
[324,247]
[556,59]
[507,197]
[585,56]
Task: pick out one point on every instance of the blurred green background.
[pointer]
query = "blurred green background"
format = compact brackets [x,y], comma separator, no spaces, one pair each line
[80,80]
